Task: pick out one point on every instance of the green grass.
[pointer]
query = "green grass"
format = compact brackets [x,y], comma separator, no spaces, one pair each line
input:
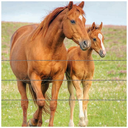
[100,113]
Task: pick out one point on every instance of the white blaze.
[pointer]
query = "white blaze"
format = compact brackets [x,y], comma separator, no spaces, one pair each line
[102,45]
[81,17]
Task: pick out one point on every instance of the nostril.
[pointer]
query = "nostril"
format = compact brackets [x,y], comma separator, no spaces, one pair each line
[101,52]
[85,43]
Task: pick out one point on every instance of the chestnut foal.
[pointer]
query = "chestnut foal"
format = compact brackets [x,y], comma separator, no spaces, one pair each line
[82,71]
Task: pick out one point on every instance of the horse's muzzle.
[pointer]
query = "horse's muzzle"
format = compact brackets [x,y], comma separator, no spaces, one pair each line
[102,53]
[85,44]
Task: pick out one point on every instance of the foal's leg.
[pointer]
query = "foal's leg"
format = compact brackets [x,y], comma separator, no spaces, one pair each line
[55,90]
[71,102]
[40,99]
[24,100]
[86,87]
[79,95]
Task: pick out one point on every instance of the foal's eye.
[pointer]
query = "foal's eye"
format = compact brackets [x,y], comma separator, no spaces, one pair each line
[73,21]
[94,39]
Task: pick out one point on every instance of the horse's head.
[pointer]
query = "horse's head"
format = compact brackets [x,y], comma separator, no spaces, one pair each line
[74,25]
[97,39]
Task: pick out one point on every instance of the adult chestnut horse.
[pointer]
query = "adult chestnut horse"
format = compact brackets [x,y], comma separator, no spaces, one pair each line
[82,72]
[38,53]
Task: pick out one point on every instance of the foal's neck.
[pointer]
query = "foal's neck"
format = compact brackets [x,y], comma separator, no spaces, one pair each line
[86,55]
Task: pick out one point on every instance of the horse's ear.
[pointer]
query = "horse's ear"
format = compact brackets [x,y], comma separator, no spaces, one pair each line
[93,25]
[100,27]
[81,4]
[70,5]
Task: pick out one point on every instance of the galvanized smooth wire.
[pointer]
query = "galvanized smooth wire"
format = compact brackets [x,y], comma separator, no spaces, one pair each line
[63,60]
[66,80]
[64,100]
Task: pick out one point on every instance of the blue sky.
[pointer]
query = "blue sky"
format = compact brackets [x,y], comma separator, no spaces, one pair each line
[110,13]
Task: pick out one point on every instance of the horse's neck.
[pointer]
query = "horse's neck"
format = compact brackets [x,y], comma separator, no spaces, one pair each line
[86,55]
[54,36]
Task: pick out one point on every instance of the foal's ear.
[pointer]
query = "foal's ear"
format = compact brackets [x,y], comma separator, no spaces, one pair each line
[93,26]
[100,27]
[81,4]
[70,5]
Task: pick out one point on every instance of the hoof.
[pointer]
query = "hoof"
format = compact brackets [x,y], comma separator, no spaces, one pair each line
[30,124]
[82,122]
[71,123]
[25,125]
[86,121]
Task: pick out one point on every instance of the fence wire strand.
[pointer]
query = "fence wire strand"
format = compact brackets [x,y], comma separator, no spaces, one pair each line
[63,60]
[64,100]
[67,80]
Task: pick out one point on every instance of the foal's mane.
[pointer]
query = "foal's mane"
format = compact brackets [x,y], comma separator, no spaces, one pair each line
[43,26]
[92,29]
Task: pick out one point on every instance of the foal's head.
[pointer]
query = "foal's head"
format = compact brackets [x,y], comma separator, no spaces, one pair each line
[97,39]
[74,25]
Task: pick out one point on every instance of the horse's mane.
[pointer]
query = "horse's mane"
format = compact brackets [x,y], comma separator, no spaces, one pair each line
[43,26]
[91,29]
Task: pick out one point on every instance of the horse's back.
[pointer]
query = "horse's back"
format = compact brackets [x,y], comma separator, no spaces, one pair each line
[21,31]
[19,44]
[71,48]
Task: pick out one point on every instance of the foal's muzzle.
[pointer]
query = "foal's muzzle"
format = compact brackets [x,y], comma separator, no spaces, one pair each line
[102,53]
[85,44]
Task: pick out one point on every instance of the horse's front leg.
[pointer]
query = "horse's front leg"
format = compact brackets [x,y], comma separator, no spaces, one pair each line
[36,85]
[86,87]
[44,89]
[79,94]
[56,84]
[24,100]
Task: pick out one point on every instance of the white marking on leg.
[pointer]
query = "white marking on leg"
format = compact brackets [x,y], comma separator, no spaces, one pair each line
[71,123]
[85,114]
[81,114]
[80,17]
[102,45]
[85,117]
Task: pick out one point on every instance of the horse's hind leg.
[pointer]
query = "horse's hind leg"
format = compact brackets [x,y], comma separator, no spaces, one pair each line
[86,87]
[24,100]
[71,102]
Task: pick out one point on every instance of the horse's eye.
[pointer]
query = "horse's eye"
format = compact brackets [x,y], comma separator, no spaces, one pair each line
[94,39]
[73,21]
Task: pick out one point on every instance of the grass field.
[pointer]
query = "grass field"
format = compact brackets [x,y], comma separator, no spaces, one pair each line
[100,113]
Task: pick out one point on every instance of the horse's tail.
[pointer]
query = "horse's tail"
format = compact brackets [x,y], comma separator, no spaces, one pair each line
[46,108]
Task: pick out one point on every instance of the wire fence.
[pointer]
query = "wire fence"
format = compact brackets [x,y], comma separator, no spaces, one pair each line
[49,80]
[64,100]
[63,60]
[66,80]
